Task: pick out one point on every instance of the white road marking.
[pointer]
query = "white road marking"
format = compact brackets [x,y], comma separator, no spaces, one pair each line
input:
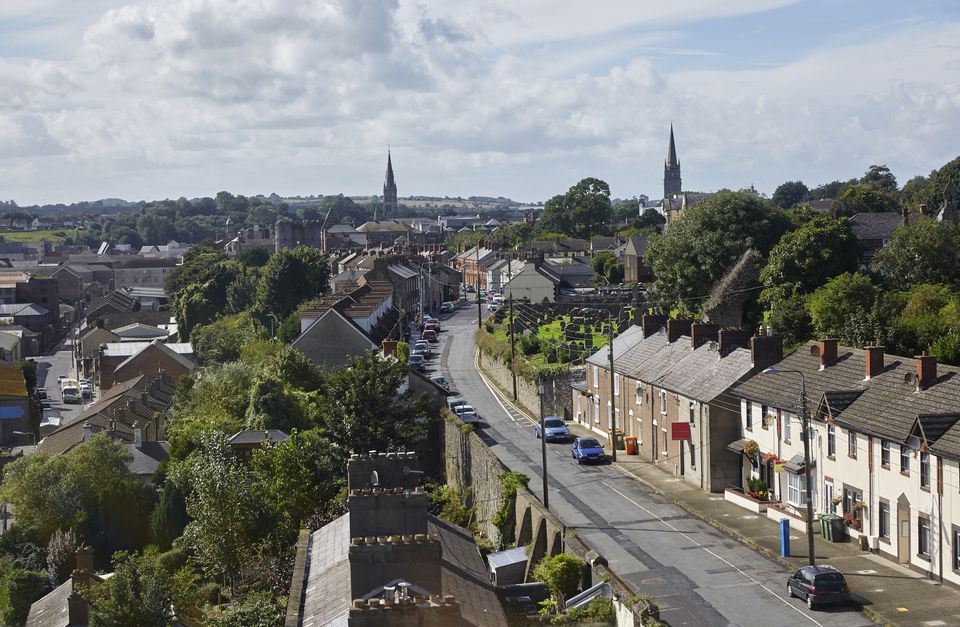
[725,561]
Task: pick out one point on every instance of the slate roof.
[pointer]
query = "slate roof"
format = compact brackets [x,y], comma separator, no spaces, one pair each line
[621,344]
[257,436]
[23,309]
[148,457]
[875,226]
[886,406]
[328,596]
[139,330]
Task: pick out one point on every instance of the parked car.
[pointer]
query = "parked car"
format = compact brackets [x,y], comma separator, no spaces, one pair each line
[455,402]
[556,429]
[71,394]
[471,289]
[819,585]
[41,393]
[86,390]
[466,413]
[416,361]
[423,345]
[432,326]
[442,382]
[447,307]
[493,306]
[431,336]
[587,450]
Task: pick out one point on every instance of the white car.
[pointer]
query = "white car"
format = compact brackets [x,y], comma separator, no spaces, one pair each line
[466,413]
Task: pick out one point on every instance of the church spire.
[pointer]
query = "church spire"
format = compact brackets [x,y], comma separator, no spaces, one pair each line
[672,184]
[389,191]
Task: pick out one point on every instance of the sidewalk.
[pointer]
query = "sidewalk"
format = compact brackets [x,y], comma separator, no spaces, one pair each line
[890,594]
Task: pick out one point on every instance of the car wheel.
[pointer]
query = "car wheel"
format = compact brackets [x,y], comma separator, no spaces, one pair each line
[810,601]
[789,590]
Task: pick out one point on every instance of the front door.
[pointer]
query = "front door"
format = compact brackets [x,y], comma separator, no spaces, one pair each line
[903,532]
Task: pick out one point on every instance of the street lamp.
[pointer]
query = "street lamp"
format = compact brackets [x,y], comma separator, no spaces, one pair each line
[805,422]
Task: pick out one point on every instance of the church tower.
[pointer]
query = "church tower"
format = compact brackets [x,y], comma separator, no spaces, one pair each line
[389,191]
[671,170]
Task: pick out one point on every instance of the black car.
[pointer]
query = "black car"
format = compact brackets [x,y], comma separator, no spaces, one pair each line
[41,393]
[819,585]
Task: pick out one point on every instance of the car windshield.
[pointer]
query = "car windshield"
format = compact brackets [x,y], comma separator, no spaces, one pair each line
[553,422]
[589,443]
[829,578]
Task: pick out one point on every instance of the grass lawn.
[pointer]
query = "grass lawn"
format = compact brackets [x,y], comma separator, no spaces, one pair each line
[34,236]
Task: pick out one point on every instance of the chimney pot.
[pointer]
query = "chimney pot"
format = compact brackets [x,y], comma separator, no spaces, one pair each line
[874,361]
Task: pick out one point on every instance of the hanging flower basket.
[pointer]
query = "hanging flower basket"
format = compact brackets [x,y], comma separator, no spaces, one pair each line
[769,457]
[751,448]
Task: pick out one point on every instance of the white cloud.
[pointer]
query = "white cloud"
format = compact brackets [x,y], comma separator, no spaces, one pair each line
[302,96]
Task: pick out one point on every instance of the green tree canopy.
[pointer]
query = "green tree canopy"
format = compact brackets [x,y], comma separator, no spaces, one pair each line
[865,198]
[700,247]
[291,276]
[921,252]
[789,194]
[562,574]
[581,212]
[842,308]
[880,177]
[223,339]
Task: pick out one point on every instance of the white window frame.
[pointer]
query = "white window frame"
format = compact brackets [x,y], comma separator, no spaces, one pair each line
[693,413]
[923,535]
[786,426]
[663,402]
[666,443]
[831,441]
[616,384]
[748,416]
[596,377]
[925,470]
[852,444]
[904,459]
[796,490]
[885,453]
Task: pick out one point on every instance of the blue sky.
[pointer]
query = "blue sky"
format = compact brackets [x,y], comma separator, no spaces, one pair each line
[522,98]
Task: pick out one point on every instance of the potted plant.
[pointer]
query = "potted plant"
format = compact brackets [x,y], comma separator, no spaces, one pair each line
[757,489]
[751,449]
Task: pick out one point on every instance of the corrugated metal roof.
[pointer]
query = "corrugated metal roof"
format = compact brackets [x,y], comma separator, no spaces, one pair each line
[508,557]
[127,349]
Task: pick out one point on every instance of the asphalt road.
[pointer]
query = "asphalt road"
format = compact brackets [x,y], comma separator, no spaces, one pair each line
[698,575]
[50,366]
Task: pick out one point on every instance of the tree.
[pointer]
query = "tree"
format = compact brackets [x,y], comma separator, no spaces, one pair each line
[841,308]
[864,198]
[360,407]
[582,212]
[222,340]
[880,177]
[804,259]
[61,555]
[291,277]
[138,593]
[255,256]
[832,189]
[258,609]
[221,507]
[20,588]
[789,194]
[699,248]
[561,574]
[29,369]
[921,252]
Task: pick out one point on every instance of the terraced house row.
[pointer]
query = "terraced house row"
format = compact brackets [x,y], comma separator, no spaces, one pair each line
[884,430]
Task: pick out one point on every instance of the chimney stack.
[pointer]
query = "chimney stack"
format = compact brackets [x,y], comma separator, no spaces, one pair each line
[828,352]
[905,214]
[765,350]
[731,339]
[926,370]
[389,347]
[78,612]
[676,328]
[651,323]
[703,332]
[873,356]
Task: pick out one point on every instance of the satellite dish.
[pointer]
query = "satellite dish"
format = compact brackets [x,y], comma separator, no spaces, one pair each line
[374,478]
[815,350]
[910,378]
[767,420]
[913,443]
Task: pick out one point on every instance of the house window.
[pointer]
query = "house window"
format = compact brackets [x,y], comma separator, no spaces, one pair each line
[925,470]
[850,498]
[904,459]
[796,490]
[831,440]
[923,536]
[885,453]
[693,455]
[852,444]
[639,395]
[786,427]
[693,413]
[665,443]
[596,377]
[616,385]
[663,403]
[828,496]
[749,415]
[883,520]
[956,548]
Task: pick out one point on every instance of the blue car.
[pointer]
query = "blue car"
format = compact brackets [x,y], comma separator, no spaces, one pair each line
[556,430]
[588,450]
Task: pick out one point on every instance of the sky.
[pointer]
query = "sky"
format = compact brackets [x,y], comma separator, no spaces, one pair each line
[151,99]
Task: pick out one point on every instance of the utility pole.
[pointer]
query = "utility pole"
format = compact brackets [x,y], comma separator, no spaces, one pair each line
[805,421]
[479,307]
[543,447]
[420,290]
[429,286]
[613,410]
[513,370]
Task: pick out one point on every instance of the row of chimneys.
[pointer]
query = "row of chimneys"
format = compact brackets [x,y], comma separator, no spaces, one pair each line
[765,350]
[926,365]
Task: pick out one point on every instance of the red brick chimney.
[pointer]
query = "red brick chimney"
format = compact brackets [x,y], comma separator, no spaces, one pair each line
[389,347]
[703,332]
[676,328]
[651,323]
[873,356]
[765,350]
[733,338]
[926,370]
[828,352]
